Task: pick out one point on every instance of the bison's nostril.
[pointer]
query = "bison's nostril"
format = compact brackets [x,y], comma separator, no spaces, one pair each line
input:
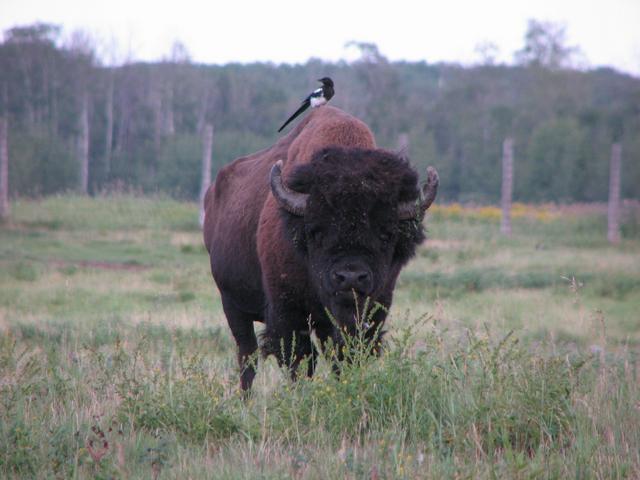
[338,277]
[363,277]
[351,278]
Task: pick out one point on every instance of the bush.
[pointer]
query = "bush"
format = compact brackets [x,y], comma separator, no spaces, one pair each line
[41,164]
[179,169]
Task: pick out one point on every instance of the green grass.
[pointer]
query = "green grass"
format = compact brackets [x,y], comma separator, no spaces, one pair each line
[506,358]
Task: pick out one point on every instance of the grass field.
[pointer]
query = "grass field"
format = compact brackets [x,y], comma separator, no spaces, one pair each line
[506,358]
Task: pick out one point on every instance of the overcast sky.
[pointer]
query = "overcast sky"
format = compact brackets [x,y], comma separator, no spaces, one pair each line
[292,31]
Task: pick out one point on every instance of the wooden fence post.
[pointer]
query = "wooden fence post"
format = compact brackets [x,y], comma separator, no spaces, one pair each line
[507,185]
[207,147]
[83,144]
[613,212]
[108,143]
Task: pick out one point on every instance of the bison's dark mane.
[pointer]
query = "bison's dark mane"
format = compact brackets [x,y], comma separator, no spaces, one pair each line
[376,173]
[350,179]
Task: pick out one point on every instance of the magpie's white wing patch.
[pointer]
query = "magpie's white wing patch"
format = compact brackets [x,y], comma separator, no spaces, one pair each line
[317,101]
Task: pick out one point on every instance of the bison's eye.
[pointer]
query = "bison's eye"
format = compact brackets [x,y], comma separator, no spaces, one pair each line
[316,234]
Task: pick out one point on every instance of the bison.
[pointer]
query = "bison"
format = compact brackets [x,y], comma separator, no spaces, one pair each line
[301,233]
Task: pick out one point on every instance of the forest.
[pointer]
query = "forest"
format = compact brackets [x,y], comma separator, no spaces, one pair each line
[139,125]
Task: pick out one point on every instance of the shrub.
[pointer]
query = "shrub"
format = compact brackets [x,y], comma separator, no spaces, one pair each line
[41,164]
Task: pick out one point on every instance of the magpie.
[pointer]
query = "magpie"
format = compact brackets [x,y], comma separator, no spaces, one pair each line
[317,98]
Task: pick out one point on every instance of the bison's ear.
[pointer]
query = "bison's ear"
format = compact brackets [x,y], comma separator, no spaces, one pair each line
[428,192]
[292,201]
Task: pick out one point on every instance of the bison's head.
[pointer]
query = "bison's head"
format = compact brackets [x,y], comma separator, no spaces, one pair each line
[356,217]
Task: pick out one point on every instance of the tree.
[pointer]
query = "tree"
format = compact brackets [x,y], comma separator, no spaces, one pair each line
[82,48]
[553,157]
[207,146]
[31,62]
[487,51]
[108,141]
[381,93]
[545,46]
[83,142]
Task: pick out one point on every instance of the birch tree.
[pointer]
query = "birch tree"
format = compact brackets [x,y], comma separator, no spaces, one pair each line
[207,147]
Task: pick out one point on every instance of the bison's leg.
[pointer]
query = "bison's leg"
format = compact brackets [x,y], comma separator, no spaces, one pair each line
[296,348]
[289,339]
[241,324]
[301,350]
[331,347]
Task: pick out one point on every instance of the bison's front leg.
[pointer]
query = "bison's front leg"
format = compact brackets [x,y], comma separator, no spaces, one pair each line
[288,338]
[241,324]
[363,334]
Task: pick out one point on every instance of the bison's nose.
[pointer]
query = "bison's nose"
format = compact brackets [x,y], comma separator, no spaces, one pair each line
[352,277]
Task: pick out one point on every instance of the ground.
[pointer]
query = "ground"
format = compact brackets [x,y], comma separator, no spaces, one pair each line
[509,357]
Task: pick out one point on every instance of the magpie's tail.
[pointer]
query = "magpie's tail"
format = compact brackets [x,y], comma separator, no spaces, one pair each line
[302,108]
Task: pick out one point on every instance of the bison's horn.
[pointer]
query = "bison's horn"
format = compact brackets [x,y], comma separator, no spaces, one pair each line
[428,192]
[292,202]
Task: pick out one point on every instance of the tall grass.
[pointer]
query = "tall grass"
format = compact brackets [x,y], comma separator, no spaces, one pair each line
[455,400]
[524,366]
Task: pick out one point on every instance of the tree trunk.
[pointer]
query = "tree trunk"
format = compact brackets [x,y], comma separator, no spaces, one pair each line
[156,105]
[124,107]
[507,185]
[169,124]
[28,104]
[4,169]
[613,214]
[45,93]
[207,147]
[83,144]
[54,103]
[202,111]
[109,133]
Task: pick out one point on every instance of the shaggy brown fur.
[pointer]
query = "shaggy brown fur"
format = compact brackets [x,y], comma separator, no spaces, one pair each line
[274,267]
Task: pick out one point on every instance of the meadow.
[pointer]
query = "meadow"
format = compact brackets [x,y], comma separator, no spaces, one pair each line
[506,357]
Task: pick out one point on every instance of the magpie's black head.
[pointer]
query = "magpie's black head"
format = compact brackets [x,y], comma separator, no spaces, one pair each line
[326,81]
